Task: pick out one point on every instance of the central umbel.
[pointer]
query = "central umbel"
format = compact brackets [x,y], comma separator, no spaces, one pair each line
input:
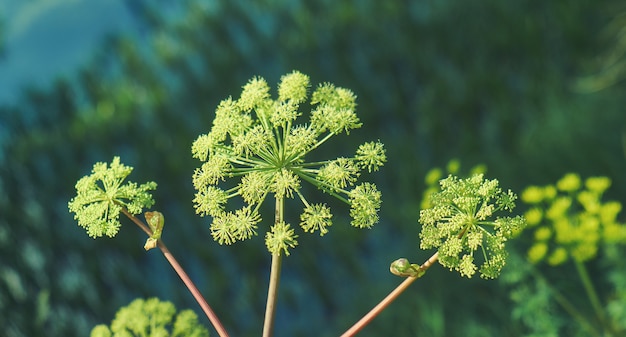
[262,142]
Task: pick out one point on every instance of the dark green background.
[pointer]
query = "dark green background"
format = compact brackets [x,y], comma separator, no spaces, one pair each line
[488,82]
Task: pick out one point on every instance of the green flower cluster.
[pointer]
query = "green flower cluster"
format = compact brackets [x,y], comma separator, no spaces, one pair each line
[101,196]
[458,224]
[257,139]
[571,221]
[152,318]
[435,174]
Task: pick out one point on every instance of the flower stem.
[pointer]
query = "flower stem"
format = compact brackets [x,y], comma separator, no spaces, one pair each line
[566,304]
[387,300]
[138,222]
[272,295]
[217,324]
[272,291]
[591,292]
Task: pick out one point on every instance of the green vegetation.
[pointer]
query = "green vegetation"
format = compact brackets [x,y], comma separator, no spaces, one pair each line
[571,224]
[488,82]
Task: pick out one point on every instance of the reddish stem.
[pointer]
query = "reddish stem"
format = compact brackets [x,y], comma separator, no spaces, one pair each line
[217,324]
[387,300]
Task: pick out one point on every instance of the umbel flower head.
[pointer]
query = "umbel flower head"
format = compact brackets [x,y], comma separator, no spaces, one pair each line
[460,223]
[152,317]
[434,175]
[102,195]
[571,220]
[260,142]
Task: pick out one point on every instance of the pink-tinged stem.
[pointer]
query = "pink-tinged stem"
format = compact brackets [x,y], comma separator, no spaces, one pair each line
[387,300]
[217,324]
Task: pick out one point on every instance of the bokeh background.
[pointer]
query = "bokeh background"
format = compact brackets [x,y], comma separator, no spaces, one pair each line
[531,89]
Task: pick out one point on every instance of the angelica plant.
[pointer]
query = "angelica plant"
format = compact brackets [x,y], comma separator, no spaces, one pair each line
[258,141]
[101,196]
[460,223]
[257,148]
[100,199]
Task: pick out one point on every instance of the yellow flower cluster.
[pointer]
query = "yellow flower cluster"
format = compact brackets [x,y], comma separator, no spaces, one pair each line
[570,220]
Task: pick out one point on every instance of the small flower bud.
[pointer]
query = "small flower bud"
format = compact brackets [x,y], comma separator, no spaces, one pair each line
[403,268]
[150,243]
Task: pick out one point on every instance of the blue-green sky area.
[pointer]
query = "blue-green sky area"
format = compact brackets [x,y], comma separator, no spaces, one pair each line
[49,38]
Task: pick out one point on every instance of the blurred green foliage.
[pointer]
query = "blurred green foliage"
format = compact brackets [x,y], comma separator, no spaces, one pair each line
[486,82]
[577,234]
[609,67]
